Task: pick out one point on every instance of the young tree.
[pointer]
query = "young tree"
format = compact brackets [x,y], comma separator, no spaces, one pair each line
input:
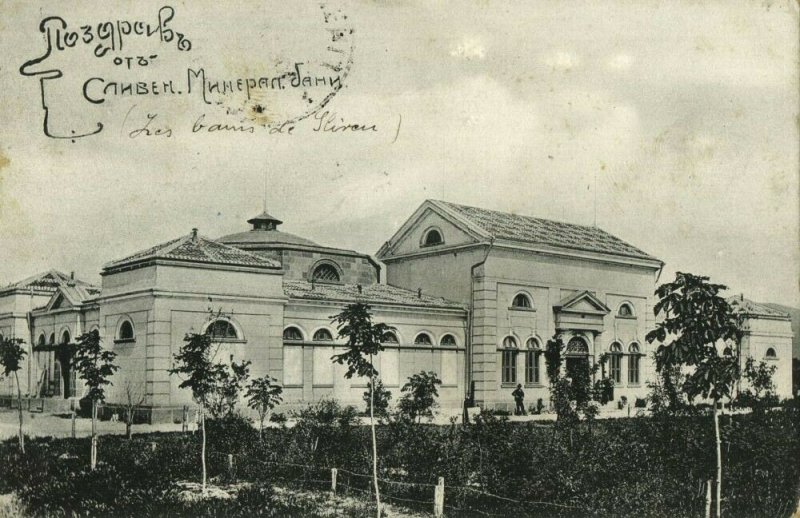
[380,394]
[11,355]
[225,396]
[263,394]
[95,366]
[760,391]
[195,361]
[419,395]
[363,342]
[134,397]
[696,324]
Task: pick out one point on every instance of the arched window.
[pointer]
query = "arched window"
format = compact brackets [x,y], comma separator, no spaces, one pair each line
[448,339]
[625,310]
[577,346]
[125,332]
[41,341]
[52,338]
[292,334]
[1,337]
[616,362]
[633,364]
[326,273]
[727,352]
[390,338]
[323,335]
[771,354]
[532,361]
[65,338]
[521,301]
[222,330]
[433,237]
[508,360]
[423,339]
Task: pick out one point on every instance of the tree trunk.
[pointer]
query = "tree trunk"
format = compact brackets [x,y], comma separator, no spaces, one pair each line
[93,448]
[719,460]
[203,450]
[374,441]
[19,404]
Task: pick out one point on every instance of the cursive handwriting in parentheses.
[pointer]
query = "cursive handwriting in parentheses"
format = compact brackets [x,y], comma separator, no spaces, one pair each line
[329,122]
[150,130]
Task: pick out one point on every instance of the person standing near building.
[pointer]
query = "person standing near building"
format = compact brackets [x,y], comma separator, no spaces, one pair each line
[519,399]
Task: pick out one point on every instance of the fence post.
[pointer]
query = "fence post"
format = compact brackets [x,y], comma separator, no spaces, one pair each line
[152,446]
[73,423]
[438,499]
[185,419]
[708,499]
[334,472]
[230,464]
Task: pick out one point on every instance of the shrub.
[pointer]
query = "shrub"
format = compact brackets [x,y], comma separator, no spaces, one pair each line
[640,403]
[419,395]
[382,397]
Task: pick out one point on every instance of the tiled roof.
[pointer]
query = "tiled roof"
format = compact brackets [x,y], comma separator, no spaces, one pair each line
[197,249]
[373,293]
[527,229]
[748,307]
[47,281]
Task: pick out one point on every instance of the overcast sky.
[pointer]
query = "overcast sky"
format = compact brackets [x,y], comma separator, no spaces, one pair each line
[685,114]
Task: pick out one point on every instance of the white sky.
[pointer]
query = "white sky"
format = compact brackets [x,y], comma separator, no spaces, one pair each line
[685,112]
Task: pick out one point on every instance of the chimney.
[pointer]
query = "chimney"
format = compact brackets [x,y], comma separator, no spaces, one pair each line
[419,293]
[194,235]
[72,275]
[741,297]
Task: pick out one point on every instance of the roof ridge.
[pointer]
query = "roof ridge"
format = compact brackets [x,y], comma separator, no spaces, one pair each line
[526,216]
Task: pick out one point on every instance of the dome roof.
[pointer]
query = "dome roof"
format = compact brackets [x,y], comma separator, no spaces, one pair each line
[265,237]
[265,232]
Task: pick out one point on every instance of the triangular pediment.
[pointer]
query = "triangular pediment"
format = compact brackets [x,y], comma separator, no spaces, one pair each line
[58,301]
[411,237]
[582,302]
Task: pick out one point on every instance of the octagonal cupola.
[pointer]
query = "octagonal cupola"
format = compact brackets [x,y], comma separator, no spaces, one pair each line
[264,222]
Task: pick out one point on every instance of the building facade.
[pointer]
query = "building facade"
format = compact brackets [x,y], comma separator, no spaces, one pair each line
[472,295]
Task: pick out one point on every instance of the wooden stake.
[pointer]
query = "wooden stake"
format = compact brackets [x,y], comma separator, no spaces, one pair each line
[708,499]
[438,499]
[334,473]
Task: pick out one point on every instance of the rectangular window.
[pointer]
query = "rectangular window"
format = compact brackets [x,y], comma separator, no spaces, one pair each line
[633,369]
[532,367]
[389,367]
[509,366]
[449,368]
[292,365]
[323,366]
[616,368]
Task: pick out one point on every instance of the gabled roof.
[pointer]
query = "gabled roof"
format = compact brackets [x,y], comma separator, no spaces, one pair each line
[195,249]
[572,303]
[46,281]
[372,294]
[73,294]
[749,308]
[529,230]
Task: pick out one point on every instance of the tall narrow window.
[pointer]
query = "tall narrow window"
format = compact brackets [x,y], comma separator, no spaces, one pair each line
[616,362]
[509,360]
[125,333]
[532,361]
[633,364]
[509,366]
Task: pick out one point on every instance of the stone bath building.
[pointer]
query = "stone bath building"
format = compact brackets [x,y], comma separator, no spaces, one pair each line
[473,294]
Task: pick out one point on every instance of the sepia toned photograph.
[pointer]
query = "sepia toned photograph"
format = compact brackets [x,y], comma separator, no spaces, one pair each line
[347,258]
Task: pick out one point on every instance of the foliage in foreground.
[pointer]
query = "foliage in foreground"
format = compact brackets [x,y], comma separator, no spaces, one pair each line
[631,467]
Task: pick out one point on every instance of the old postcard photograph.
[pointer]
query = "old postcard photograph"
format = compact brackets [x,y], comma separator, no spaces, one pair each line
[457,258]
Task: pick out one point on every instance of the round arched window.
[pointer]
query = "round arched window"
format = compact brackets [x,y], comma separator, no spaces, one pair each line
[222,330]
[292,334]
[510,342]
[423,339]
[125,331]
[633,348]
[52,338]
[577,346]
[433,237]
[65,338]
[625,310]
[41,340]
[521,301]
[323,335]
[389,338]
[326,273]
[615,347]
[771,353]
[448,340]
[533,343]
